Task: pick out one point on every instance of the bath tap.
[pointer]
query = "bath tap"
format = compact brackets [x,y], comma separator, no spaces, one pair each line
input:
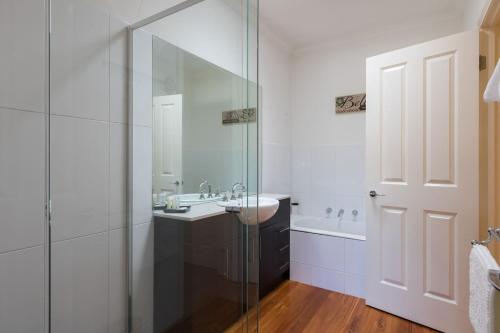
[329,212]
[236,186]
[203,184]
[354,214]
[341,213]
[210,192]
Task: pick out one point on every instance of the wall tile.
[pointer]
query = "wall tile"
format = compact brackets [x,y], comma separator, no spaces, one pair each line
[327,279]
[22,175]
[143,79]
[319,202]
[118,291]
[275,168]
[80,162]
[355,256]
[350,203]
[80,284]
[300,272]
[22,64]
[118,176]
[143,179]
[118,103]
[355,285]
[22,291]
[322,169]
[143,277]
[301,161]
[350,170]
[80,60]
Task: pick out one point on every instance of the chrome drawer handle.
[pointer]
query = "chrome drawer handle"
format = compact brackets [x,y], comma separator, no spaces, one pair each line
[285,265]
[284,247]
[283,230]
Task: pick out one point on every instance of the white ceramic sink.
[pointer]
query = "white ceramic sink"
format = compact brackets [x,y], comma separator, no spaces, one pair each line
[194,198]
[250,212]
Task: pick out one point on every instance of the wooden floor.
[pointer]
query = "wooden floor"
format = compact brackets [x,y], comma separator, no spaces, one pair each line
[295,307]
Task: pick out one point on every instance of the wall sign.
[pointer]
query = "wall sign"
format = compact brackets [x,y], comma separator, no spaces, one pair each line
[239,116]
[351,103]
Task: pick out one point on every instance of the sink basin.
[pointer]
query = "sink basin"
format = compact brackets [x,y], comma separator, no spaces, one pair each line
[251,212]
[194,198]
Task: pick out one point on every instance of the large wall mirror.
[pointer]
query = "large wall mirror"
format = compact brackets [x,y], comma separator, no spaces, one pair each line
[201,126]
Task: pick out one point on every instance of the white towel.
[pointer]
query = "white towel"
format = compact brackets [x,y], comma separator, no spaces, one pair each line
[492,91]
[483,296]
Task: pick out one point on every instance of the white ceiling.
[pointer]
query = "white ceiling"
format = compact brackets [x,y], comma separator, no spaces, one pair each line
[303,22]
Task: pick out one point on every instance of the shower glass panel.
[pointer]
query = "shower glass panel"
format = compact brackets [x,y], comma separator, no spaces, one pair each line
[194,146]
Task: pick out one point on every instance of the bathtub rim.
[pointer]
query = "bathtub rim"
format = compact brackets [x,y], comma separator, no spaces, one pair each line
[316,231]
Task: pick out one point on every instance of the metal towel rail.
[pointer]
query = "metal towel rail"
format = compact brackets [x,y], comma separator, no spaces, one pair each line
[493,274]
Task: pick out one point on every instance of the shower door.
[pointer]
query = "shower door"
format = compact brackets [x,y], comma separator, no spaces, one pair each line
[193,271]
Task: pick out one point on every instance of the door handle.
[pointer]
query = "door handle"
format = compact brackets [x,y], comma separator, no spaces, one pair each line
[374,194]
[176,183]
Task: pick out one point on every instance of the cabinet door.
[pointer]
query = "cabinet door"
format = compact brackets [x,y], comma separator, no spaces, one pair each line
[266,260]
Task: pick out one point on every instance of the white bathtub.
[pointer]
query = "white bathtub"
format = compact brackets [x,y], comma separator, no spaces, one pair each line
[328,253]
[346,228]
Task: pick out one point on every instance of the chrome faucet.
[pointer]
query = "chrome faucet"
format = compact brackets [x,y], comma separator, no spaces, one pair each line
[237,186]
[341,213]
[202,193]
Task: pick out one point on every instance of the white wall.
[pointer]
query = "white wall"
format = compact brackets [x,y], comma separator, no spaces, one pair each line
[88,168]
[275,79]
[327,148]
[23,117]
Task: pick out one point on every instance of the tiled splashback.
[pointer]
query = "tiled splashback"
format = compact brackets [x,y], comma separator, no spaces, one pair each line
[328,176]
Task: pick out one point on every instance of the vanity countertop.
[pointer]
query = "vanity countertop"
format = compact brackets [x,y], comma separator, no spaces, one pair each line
[275,196]
[205,210]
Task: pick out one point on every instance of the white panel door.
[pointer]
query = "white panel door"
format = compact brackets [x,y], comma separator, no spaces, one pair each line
[422,161]
[167,143]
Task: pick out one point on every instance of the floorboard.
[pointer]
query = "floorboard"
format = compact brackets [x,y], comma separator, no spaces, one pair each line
[294,307]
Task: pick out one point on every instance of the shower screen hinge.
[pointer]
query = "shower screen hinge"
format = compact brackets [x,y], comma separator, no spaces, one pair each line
[482,62]
[48,209]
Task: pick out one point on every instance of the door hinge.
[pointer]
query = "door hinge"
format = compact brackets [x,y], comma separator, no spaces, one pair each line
[482,62]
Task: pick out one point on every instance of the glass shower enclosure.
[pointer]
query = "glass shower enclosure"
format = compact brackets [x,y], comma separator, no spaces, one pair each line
[193,146]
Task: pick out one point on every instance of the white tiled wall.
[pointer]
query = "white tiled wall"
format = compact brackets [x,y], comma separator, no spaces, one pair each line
[22,286]
[88,168]
[328,262]
[328,176]
[23,117]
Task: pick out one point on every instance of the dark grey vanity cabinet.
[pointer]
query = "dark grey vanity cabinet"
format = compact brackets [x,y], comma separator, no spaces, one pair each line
[201,284]
[275,249]
[198,274]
